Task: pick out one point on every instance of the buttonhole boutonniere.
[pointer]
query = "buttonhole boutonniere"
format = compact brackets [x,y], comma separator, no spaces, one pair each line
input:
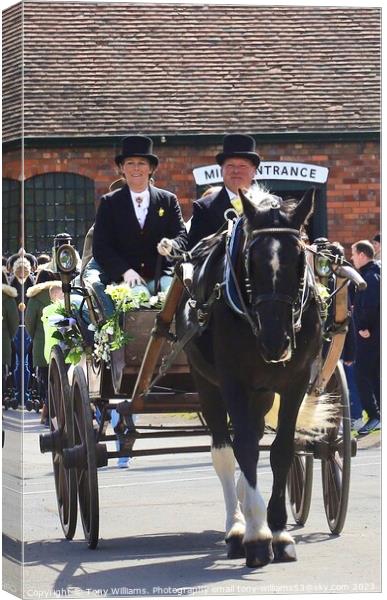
[161,212]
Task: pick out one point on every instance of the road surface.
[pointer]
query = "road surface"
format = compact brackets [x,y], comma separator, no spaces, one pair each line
[161,530]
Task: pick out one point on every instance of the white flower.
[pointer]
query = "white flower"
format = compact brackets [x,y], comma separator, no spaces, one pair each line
[54,319]
[153,300]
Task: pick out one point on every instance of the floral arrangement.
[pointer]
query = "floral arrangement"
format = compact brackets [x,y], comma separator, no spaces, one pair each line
[68,335]
[110,336]
[107,337]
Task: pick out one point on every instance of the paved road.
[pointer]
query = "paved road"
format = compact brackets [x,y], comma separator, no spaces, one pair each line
[161,531]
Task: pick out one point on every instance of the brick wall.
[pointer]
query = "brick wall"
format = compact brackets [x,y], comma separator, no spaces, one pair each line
[353,189]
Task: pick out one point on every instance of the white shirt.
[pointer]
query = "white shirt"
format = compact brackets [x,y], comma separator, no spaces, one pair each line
[141,210]
[231,194]
[250,192]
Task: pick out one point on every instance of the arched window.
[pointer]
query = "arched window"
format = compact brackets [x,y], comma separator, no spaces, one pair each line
[11,214]
[56,203]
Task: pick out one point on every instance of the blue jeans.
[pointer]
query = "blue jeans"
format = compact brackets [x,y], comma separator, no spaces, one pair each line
[149,288]
[114,418]
[22,373]
[91,274]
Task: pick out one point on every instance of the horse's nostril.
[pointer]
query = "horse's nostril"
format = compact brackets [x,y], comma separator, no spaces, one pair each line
[275,352]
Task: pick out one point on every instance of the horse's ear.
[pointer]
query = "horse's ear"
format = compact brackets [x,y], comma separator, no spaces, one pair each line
[304,208]
[249,209]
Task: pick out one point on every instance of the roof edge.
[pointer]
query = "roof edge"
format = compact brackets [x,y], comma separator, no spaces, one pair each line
[181,139]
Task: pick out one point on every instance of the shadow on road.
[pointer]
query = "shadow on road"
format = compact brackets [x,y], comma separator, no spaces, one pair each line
[193,560]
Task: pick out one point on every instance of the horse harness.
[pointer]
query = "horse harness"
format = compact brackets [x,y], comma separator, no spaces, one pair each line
[231,290]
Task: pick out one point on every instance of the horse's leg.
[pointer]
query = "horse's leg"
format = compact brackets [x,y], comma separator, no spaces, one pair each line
[224,464]
[281,457]
[223,459]
[247,415]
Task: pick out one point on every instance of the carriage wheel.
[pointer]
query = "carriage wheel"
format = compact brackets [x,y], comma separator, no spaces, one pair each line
[60,418]
[87,479]
[300,480]
[336,467]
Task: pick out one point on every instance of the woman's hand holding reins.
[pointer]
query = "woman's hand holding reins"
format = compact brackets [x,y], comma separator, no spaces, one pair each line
[132,278]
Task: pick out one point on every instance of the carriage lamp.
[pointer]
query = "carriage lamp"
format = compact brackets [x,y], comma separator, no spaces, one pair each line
[66,264]
[322,266]
[66,259]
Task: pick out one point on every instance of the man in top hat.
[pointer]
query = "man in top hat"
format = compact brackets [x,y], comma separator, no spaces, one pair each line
[239,162]
[137,223]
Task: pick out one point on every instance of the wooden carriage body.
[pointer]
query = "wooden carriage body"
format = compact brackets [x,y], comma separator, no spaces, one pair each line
[175,391]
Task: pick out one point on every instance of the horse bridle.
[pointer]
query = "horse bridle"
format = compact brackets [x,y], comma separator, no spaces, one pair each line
[297,304]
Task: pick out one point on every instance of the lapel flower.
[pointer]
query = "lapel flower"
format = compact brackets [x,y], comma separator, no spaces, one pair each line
[161,212]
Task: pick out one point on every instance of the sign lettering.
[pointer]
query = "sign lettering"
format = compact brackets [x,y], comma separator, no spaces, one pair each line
[212,174]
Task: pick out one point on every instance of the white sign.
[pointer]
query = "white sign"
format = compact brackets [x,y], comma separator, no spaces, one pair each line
[268,170]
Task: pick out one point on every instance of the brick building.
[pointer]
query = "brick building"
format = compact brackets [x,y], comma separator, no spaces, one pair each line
[304,81]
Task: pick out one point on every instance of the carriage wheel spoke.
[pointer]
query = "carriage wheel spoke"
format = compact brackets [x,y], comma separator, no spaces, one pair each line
[334,483]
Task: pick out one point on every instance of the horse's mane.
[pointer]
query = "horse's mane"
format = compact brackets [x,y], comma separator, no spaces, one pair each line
[264,200]
[206,245]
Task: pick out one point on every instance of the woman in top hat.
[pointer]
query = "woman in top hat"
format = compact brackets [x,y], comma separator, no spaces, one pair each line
[137,222]
[239,162]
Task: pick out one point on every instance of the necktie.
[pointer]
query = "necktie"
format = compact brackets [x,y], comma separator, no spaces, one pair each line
[138,200]
[237,204]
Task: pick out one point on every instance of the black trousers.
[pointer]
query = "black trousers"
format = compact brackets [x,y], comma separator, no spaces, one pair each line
[367,374]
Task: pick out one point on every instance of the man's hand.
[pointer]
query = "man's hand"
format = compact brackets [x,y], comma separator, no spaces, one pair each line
[364,333]
[132,278]
[165,247]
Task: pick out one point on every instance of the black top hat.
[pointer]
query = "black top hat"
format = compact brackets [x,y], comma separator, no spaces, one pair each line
[238,145]
[137,145]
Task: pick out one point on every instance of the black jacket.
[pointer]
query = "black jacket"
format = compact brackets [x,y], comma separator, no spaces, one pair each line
[208,216]
[366,303]
[21,289]
[120,244]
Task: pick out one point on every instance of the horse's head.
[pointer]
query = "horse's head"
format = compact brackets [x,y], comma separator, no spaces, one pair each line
[274,262]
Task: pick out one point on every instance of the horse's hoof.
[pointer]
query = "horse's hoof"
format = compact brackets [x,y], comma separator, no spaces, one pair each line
[284,552]
[235,547]
[258,553]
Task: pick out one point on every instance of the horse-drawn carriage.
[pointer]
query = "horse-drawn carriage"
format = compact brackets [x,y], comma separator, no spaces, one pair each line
[151,374]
